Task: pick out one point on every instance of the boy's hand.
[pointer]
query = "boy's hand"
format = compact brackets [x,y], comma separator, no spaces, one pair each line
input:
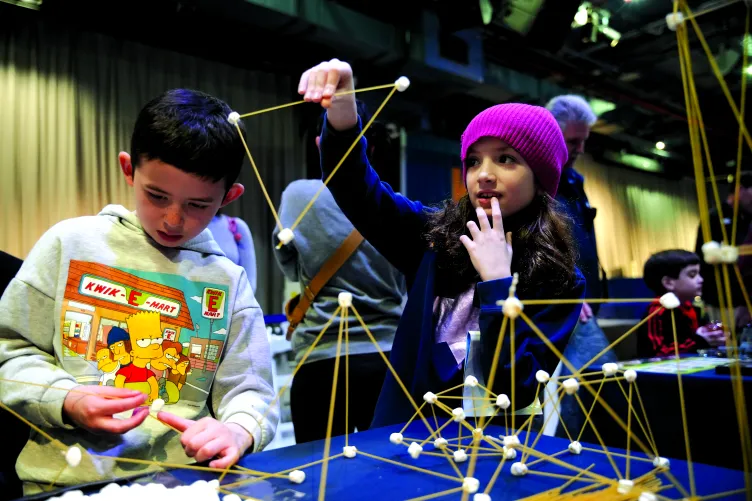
[208,438]
[92,407]
[320,83]
[713,335]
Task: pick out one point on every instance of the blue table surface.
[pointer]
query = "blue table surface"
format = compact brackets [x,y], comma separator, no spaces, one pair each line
[364,478]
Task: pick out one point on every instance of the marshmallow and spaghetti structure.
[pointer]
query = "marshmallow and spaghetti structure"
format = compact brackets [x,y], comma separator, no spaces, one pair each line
[460,435]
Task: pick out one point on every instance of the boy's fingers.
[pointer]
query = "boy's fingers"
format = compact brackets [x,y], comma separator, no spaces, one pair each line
[177,422]
[112,406]
[120,426]
[210,449]
[229,457]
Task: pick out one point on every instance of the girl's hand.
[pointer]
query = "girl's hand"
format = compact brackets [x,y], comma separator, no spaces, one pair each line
[320,83]
[490,252]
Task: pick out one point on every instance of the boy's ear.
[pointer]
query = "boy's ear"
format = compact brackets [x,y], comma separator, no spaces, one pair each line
[233,194]
[668,283]
[126,166]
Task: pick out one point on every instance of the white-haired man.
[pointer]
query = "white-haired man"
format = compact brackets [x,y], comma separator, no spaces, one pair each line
[575,117]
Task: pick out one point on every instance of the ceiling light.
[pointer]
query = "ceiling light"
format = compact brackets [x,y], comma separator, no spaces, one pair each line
[660,145]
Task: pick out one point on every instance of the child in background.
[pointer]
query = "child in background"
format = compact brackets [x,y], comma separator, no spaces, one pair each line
[457,262]
[158,272]
[676,271]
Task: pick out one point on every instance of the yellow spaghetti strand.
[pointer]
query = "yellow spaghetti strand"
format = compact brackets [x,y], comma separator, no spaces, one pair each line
[347,378]
[391,369]
[647,423]
[409,466]
[437,494]
[600,440]
[692,489]
[587,416]
[740,144]
[618,340]
[512,355]
[57,443]
[258,176]
[328,440]
[344,157]
[569,365]
[580,301]
[637,418]
[629,427]
[545,423]
[495,362]
[303,101]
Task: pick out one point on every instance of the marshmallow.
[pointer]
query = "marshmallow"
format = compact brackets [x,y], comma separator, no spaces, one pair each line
[477,434]
[459,414]
[670,301]
[470,485]
[571,386]
[481,496]
[350,451]
[647,496]
[233,118]
[519,469]
[511,441]
[414,450]
[512,307]
[625,486]
[345,299]
[440,443]
[430,397]
[73,456]
[296,476]
[285,236]
[729,254]
[503,401]
[711,252]
[460,456]
[542,376]
[396,438]
[509,453]
[610,368]
[660,462]
[471,381]
[231,497]
[630,375]
[402,83]
[157,406]
[674,20]
[575,447]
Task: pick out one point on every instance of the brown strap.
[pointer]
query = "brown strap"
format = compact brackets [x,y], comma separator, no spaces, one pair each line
[327,271]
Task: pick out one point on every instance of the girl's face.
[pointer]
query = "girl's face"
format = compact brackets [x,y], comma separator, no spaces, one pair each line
[495,170]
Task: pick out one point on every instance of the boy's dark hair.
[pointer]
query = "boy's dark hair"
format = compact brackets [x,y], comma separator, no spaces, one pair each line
[668,263]
[189,130]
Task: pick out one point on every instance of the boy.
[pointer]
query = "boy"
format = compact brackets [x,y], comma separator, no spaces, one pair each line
[676,271]
[158,274]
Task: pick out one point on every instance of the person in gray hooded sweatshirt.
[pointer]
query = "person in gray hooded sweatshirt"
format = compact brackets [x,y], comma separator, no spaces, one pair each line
[378,293]
[158,274]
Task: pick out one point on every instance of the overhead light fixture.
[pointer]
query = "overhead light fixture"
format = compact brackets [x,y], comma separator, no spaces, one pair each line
[748,70]
[660,145]
[28,4]
[599,17]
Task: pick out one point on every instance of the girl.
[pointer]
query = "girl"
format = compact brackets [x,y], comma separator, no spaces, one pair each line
[457,264]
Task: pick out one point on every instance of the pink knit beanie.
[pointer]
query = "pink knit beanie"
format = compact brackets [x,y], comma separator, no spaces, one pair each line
[531,130]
